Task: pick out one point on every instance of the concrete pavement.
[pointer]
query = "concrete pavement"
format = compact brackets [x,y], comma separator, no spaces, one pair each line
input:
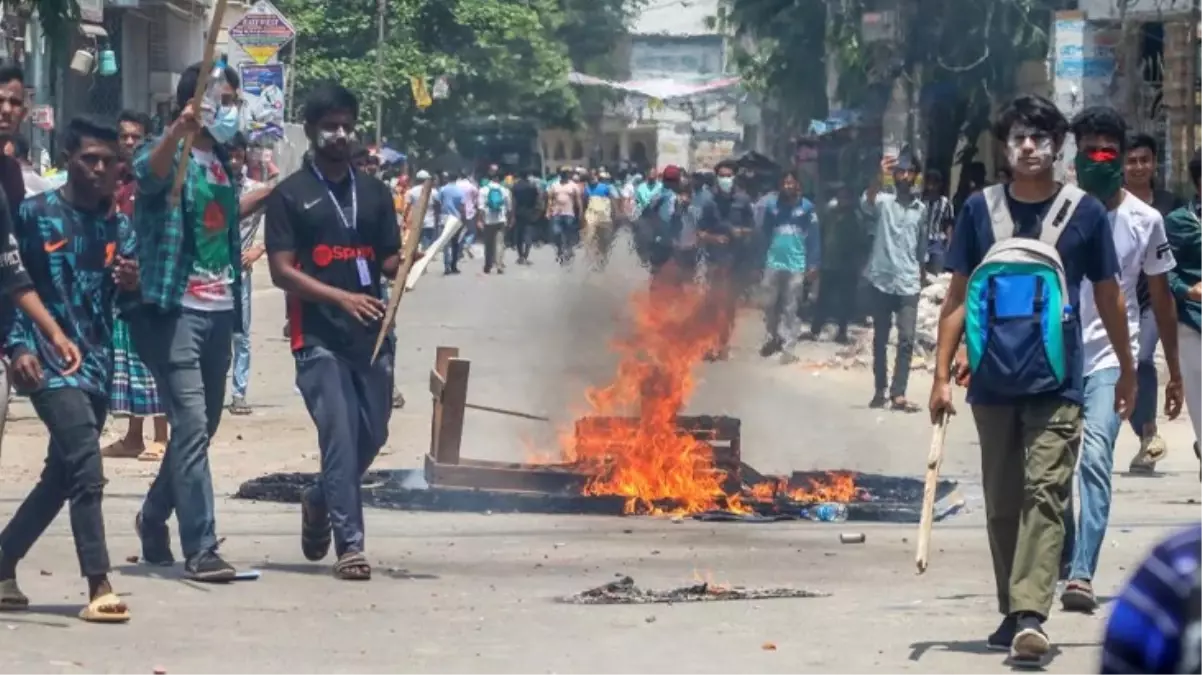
[466,592]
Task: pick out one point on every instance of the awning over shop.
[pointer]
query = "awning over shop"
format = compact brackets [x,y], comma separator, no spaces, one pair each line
[663,90]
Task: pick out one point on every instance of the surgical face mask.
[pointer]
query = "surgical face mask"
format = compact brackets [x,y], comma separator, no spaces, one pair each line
[225,124]
[1100,172]
[726,183]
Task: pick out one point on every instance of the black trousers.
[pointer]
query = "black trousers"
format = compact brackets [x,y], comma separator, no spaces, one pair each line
[73,473]
[523,235]
[837,291]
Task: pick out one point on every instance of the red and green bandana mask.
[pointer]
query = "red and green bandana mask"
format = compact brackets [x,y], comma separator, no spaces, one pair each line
[1100,172]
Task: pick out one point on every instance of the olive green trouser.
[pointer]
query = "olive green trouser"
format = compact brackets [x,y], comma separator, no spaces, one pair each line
[1028,453]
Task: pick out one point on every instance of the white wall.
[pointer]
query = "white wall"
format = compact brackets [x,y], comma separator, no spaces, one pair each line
[134,60]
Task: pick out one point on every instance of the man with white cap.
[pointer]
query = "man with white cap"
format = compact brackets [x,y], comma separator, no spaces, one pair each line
[430,222]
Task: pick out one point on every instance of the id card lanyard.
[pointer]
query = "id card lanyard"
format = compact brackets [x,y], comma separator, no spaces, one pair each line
[360,261]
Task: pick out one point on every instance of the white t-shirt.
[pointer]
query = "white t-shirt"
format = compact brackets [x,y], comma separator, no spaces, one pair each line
[1141,246]
[489,216]
[430,221]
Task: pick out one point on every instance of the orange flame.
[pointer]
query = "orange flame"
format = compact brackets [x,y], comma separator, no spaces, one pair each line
[644,457]
[648,460]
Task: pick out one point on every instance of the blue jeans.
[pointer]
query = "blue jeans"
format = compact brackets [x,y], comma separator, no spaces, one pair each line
[188,352]
[450,252]
[1147,397]
[350,403]
[564,232]
[242,343]
[1083,536]
[429,234]
[469,232]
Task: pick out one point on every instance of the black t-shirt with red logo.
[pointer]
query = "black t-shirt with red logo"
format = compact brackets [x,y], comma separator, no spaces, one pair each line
[302,217]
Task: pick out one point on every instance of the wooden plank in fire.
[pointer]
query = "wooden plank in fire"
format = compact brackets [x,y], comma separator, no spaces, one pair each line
[505,476]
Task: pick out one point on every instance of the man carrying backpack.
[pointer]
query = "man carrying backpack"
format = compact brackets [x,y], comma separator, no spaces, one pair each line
[1018,256]
[496,213]
[1141,248]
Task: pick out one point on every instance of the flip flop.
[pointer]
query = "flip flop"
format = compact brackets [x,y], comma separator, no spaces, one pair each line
[154,452]
[119,450]
[352,567]
[104,610]
[11,597]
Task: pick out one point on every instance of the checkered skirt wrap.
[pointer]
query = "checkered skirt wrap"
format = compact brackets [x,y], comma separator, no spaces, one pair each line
[133,392]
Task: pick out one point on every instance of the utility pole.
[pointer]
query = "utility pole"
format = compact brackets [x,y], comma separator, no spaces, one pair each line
[1191,104]
[291,79]
[381,6]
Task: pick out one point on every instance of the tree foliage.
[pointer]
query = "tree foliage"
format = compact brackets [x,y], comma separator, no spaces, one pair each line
[499,58]
[962,55]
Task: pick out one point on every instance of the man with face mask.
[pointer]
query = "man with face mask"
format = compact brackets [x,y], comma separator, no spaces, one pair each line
[895,271]
[1029,429]
[1142,249]
[331,236]
[727,244]
[189,252]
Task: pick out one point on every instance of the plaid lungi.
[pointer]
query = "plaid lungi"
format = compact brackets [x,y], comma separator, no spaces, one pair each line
[133,392]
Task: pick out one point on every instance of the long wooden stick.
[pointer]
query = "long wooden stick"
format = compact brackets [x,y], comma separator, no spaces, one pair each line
[202,83]
[934,461]
[413,230]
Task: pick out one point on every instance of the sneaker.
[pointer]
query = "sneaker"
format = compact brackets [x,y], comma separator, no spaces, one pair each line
[1031,644]
[1151,450]
[156,543]
[1000,639]
[207,566]
[1078,596]
[239,406]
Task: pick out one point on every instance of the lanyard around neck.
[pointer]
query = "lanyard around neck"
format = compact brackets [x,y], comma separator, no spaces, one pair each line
[354,219]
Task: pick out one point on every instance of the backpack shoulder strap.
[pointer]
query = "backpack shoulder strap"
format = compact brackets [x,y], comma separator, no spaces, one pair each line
[999,214]
[1057,217]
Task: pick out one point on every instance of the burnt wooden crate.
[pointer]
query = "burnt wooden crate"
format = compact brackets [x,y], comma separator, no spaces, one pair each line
[720,432]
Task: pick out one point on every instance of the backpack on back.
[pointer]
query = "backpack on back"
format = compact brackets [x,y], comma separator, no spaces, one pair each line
[495,201]
[1018,303]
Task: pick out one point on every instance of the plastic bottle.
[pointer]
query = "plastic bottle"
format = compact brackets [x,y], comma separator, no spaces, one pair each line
[211,99]
[828,512]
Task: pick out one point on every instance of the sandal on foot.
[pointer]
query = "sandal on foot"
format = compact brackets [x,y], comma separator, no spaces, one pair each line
[1078,596]
[904,406]
[11,597]
[107,608]
[352,567]
[119,449]
[315,534]
[154,452]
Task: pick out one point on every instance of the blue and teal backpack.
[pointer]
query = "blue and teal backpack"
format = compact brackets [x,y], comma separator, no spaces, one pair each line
[1018,303]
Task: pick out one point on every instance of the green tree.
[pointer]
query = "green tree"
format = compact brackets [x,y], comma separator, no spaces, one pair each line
[500,59]
[967,51]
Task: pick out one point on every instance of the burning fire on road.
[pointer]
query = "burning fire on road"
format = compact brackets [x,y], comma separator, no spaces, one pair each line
[641,453]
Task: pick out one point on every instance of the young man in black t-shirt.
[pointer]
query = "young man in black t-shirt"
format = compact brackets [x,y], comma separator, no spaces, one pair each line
[331,233]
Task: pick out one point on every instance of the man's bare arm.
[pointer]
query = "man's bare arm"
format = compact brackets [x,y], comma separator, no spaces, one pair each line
[1112,309]
[951,327]
[1164,308]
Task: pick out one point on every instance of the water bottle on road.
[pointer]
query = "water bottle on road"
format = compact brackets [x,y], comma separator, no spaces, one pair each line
[828,512]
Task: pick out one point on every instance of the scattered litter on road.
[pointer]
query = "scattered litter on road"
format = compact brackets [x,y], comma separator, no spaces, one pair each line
[852,537]
[46,573]
[625,592]
[650,619]
[768,646]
